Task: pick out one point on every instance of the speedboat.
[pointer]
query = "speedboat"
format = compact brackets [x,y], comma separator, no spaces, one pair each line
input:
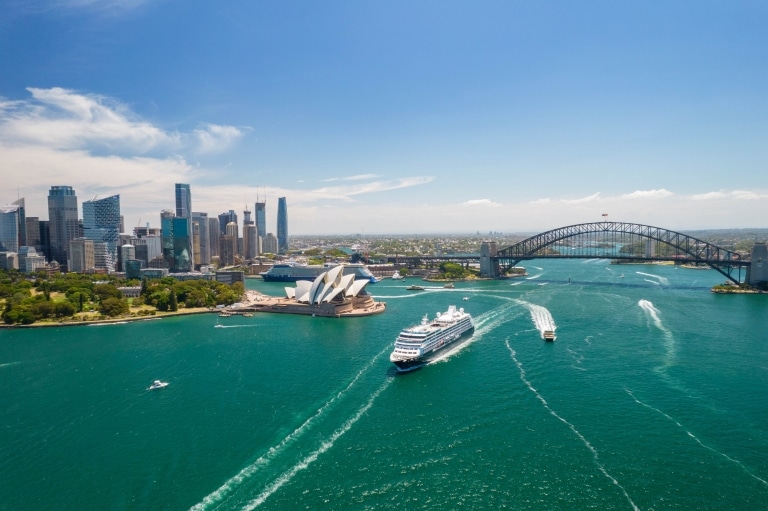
[157,384]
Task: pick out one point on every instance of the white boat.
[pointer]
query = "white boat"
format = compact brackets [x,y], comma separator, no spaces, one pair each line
[157,384]
[418,344]
[548,335]
[396,276]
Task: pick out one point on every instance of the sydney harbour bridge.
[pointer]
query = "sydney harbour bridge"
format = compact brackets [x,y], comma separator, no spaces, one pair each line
[619,241]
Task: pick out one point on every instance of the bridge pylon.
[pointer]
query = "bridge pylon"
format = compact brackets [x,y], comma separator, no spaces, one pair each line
[489,264]
[758,270]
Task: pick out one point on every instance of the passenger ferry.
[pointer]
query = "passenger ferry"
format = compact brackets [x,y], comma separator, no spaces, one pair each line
[417,345]
[292,272]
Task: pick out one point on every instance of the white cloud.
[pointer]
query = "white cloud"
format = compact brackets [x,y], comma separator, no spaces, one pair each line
[359,177]
[215,138]
[648,194]
[595,197]
[63,119]
[733,194]
[481,202]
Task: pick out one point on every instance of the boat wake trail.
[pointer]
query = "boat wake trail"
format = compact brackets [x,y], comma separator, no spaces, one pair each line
[234,482]
[576,432]
[484,324]
[8,364]
[542,318]
[664,281]
[327,444]
[695,438]
[669,340]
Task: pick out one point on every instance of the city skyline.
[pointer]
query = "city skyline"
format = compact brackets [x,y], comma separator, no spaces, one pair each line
[396,118]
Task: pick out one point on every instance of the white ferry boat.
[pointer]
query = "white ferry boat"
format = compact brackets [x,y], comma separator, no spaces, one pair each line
[417,345]
[293,272]
[157,384]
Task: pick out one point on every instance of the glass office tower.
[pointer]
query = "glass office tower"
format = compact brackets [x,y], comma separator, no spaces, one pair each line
[63,222]
[101,223]
[9,229]
[282,226]
[185,243]
[261,219]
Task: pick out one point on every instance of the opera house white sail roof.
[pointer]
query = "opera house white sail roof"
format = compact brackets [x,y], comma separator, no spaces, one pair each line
[327,287]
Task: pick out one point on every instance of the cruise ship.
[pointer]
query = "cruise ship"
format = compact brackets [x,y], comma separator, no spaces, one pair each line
[417,345]
[292,272]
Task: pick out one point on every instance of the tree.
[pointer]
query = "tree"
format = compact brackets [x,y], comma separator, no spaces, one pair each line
[104,291]
[173,303]
[63,309]
[113,307]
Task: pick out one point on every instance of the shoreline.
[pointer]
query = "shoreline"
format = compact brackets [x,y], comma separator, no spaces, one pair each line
[125,319]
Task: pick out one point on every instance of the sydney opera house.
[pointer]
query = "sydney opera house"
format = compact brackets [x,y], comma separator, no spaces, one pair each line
[331,294]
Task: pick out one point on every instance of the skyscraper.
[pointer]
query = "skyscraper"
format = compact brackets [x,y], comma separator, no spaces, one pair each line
[214,233]
[64,225]
[204,238]
[33,233]
[82,256]
[261,218]
[10,228]
[249,234]
[184,210]
[101,224]
[225,219]
[177,249]
[22,222]
[282,226]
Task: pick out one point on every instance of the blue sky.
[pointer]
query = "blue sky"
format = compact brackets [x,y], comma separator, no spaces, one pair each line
[392,117]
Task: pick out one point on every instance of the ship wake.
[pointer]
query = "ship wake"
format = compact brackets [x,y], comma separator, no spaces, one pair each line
[696,439]
[238,483]
[484,324]
[581,437]
[541,317]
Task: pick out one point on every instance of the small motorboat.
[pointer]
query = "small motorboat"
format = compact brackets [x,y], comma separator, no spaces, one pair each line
[548,335]
[157,384]
[414,288]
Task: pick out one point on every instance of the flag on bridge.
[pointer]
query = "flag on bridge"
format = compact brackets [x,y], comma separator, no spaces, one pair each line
[605,214]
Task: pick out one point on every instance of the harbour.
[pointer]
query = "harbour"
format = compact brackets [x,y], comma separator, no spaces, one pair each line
[626,410]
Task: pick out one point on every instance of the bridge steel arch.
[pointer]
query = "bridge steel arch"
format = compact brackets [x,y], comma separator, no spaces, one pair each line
[686,249]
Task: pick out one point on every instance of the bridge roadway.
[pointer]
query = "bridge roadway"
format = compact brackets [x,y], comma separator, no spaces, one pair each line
[609,240]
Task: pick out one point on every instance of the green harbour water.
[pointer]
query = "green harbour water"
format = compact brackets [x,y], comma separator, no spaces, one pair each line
[654,396]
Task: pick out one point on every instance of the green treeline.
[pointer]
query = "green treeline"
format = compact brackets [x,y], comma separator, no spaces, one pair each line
[77,297]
